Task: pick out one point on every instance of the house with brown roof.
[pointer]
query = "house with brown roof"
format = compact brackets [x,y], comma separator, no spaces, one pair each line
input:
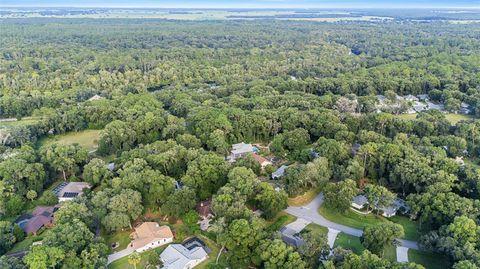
[261,160]
[150,235]
[205,213]
[42,216]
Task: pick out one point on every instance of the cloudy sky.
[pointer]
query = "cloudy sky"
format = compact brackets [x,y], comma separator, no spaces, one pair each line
[244,3]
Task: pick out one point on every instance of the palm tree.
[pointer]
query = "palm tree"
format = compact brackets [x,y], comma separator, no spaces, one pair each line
[134,259]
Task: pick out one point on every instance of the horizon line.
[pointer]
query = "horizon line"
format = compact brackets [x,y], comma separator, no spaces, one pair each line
[245,7]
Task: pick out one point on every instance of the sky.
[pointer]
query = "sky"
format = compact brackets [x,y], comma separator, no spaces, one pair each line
[245,3]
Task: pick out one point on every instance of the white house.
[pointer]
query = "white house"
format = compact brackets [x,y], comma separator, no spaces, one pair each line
[391,211]
[150,235]
[359,201]
[177,256]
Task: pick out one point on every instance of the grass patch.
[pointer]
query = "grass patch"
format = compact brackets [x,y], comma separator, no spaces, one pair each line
[26,243]
[280,220]
[212,256]
[22,122]
[429,260]
[350,218]
[304,199]
[316,229]
[122,237]
[411,228]
[88,139]
[390,253]
[350,242]
[123,262]
[359,221]
[452,118]
[353,243]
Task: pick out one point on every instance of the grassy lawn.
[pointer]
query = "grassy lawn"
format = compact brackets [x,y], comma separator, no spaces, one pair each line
[390,253]
[315,228]
[123,238]
[350,218]
[411,228]
[123,262]
[303,199]
[212,256]
[350,242]
[359,221]
[87,139]
[353,243]
[280,220]
[452,118]
[26,243]
[429,260]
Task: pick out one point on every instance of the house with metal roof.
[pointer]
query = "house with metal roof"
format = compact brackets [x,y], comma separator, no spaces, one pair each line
[359,201]
[279,173]
[41,217]
[68,191]
[240,150]
[183,256]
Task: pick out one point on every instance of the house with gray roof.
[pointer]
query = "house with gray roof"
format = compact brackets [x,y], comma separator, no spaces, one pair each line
[239,150]
[291,233]
[398,205]
[68,191]
[279,173]
[359,201]
[178,256]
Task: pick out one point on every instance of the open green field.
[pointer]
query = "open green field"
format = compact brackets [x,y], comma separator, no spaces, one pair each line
[87,139]
[359,221]
[452,118]
[22,122]
[429,260]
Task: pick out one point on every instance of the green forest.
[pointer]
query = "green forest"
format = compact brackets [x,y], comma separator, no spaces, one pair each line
[258,119]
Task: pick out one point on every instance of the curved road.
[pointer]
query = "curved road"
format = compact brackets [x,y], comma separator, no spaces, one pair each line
[310,212]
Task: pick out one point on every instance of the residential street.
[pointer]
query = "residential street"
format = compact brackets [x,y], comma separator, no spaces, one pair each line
[310,212]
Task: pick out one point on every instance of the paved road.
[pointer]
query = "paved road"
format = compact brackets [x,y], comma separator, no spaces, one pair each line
[310,212]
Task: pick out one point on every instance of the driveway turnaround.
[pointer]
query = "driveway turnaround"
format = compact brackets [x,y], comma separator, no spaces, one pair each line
[332,236]
[118,255]
[309,212]
[402,254]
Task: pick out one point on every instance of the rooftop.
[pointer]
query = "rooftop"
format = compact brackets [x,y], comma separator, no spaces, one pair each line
[241,148]
[280,171]
[71,189]
[360,200]
[177,256]
[149,231]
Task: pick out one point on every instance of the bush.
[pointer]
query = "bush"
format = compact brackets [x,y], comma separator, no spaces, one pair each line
[14,205]
[48,198]
[18,233]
